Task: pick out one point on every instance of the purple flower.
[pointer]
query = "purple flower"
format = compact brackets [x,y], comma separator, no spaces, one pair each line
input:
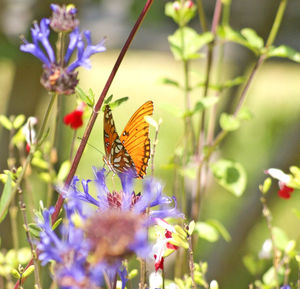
[152,196]
[70,252]
[40,35]
[61,77]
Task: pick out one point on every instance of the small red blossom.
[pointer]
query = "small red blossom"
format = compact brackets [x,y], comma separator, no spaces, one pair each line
[159,264]
[285,191]
[189,4]
[168,235]
[27,147]
[176,5]
[75,118]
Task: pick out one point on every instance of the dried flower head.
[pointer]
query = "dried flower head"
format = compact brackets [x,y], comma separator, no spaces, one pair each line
[63,18]
[115,235]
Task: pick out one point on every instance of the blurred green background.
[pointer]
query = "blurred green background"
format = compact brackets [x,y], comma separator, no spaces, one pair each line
[271,139]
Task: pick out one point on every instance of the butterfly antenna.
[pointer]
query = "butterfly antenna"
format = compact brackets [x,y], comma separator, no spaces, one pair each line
[93,147]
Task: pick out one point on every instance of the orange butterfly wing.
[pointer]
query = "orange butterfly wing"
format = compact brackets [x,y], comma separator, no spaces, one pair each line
[135,138]
[116,156]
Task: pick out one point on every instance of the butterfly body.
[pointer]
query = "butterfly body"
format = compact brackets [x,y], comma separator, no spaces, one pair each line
[130,152]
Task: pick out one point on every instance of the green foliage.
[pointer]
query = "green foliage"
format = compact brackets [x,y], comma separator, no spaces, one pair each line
[10,261]
[229,122]
[284,51]
[230,175]
[211,230]
[5,197]
[265,187]
[87,98]
[185,43]
[5,122]
[247,37]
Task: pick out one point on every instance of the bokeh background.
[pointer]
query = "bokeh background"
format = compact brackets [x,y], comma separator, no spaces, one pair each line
[271,139]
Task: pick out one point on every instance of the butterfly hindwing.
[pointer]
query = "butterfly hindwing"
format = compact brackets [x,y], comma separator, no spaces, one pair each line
[116,156]
[135,138]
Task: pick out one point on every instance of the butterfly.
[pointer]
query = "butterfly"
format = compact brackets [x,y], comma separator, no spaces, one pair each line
[129,152]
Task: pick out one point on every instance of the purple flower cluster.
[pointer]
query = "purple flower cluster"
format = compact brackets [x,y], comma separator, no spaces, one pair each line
[97,244]
[59,75]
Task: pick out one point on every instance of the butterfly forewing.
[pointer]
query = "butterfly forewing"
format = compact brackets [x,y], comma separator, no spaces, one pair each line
[135,138]
[116,156]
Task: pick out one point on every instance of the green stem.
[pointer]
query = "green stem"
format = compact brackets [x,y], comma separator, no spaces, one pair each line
[277,23]
[276,253]
[30,242]
[191,262]
[201,15]
[73,144]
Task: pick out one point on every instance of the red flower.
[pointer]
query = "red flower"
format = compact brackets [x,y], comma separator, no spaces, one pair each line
[159,264]
[168,235]
[74,119]
[285,191]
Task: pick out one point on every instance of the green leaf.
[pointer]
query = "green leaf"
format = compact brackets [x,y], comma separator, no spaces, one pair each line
[28,271]
[118,102]
[253,39]
[108,99]
[34,229]
[40,163]
[247,38]
[15,273]
[185,43]
[284,51]
[88,99]
[234,82]
[63,170]
[18,121]
[56,224]
[5,197]
[245,114]
[169,81]
[230,175]
[220,228]
[191,227]
[5,122]
[229,122]
[133,273]
[280,238]
[207,232]
[46,177]
[270,279]
[266,185]
[253,264]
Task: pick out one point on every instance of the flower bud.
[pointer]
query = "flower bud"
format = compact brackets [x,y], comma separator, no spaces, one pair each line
[63,18]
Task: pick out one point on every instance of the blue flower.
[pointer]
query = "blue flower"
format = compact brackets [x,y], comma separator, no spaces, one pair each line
[40,35]
[61,77]
[152,196]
